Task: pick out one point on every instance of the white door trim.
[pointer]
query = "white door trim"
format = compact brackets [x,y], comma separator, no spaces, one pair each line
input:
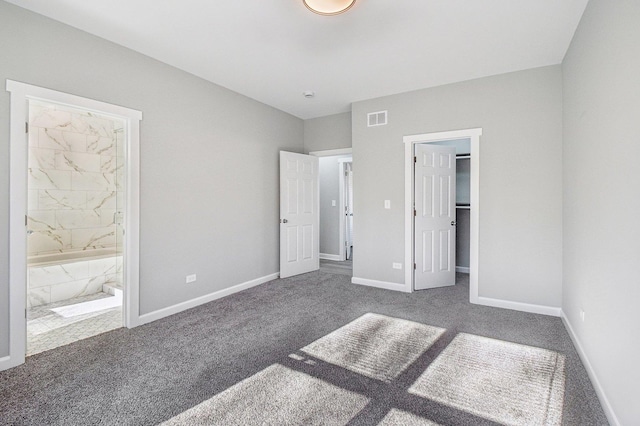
[331,152]
[20,94]
[410,141]
[342,237]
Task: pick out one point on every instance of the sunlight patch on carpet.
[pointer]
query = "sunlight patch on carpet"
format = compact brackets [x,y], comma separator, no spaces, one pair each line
[375,346]
[276,395]
[397,417]
[501,381]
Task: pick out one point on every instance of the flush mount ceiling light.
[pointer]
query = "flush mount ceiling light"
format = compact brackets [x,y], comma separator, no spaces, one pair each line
[328,7]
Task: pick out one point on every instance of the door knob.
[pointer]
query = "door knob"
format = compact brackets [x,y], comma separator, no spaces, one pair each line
[453,223]
[284,221]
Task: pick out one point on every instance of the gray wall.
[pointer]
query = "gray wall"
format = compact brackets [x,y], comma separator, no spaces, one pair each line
[329,132]
[209,175]
[330,216]
[520,175]
[601,197]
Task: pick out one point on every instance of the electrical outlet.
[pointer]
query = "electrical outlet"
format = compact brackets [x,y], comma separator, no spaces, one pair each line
[582,315]
[387,204]
[191,278]
[397,266]
[333,203]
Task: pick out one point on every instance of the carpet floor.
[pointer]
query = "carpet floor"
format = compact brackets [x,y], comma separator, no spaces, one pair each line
[299,348]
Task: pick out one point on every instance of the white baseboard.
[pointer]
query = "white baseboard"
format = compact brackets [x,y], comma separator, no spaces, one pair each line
[463,269]
[380,284]
[604,401]
[335,257]
[5,363]
[519,306]
[171,310]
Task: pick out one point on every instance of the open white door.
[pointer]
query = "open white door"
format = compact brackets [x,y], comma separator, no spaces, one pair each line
[299,214]
[435,216]
[348,202]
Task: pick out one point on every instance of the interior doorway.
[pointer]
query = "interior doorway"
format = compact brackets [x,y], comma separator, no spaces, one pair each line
[336,211]
[473,208]
[54,167]
[75,224]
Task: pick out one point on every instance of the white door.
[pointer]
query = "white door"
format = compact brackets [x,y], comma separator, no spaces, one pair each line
[435,215]
[348,211]
[299,214]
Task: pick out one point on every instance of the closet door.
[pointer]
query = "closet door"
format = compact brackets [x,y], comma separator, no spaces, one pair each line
[435,216]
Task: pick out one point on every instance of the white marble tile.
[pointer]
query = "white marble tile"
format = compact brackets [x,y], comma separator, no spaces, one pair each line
[38,326]
[120,143]
[38,296]
[48,179]
[106,266]
[37,108]
[41,220]
[101,200]
[101,145]
[76,288]
[32,199]
[90,124]
[120,180]
[120,199]
[40,276]
[48,241]
[73,219]
[51,119]
[66,141]
[106,217]
[111,164]
[77,161]
[52,199]
[93,238]
[92,181]
[34,135]
[42,158]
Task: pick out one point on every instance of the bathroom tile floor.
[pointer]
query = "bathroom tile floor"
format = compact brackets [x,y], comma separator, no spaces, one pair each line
[61,323]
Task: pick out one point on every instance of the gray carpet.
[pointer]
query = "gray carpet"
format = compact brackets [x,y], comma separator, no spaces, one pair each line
[197,358]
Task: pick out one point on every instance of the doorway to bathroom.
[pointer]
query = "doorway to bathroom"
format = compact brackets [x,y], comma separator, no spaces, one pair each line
[74,219]
[75,224]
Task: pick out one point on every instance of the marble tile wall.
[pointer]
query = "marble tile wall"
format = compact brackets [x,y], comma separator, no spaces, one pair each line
[54,283]
[75,178]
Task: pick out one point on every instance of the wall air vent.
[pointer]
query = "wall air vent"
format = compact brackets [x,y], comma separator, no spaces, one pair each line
[377,118]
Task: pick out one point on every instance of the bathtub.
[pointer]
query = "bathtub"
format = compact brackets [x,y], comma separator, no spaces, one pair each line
[61,276]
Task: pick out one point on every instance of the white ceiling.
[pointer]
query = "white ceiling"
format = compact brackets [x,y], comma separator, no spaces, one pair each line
[274,50]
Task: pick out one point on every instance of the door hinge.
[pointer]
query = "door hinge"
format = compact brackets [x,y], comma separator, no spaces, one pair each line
[26,127]
[25,220]
[415,159]
[415,266]
[25,314]
[415,213]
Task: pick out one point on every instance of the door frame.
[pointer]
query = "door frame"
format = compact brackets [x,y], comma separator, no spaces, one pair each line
[409,143]
[341,231]
[21,93]
[342,205]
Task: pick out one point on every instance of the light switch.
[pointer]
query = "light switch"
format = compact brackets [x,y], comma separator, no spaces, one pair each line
[333,203]
[387,204]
